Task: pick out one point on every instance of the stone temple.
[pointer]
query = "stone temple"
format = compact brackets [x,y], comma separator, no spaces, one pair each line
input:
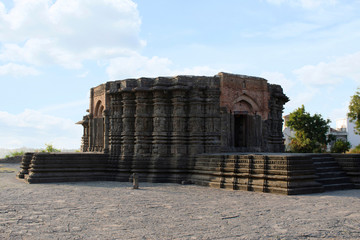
[221,131]
[184,116]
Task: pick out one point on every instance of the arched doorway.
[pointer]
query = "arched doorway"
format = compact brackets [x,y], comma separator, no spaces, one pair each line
[98,127]
[243,110]
[246,125]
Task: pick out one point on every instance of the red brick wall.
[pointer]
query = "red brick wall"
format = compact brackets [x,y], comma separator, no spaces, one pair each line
[98,95]
[244,94]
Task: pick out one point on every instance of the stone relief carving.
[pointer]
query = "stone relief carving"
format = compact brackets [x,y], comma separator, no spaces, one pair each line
[149,116]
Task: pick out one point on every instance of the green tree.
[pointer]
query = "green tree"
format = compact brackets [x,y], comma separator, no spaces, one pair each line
[354,111]
[310,131]
[15,154]
[340,146]
[50,148]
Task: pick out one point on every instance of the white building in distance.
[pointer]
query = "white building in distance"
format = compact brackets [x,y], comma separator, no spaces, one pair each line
[346,125]
[344,130]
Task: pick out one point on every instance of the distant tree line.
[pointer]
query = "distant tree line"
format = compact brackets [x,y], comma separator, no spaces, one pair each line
[49,148]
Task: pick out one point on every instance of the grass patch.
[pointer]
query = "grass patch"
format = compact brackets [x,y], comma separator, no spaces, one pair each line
[6,170]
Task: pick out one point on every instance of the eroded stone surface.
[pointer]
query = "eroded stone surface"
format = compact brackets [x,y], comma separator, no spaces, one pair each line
[184,116]
[113,210]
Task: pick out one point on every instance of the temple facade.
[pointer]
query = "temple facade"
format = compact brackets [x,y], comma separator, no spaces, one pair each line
[223,131]
[184,116]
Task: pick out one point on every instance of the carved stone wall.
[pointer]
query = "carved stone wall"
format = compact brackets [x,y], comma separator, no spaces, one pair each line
[275,121]
[184,116]
[147,124]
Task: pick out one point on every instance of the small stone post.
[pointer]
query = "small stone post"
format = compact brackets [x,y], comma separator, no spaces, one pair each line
[135,178]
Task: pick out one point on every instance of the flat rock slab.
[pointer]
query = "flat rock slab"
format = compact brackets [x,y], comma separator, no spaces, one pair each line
[113,210]
[6,169]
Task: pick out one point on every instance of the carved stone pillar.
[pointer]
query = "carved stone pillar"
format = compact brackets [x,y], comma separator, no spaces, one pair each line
[275,138]
[212,120]
[226,133]
[106,131]
[179,121]
[143,122]
[274,122]
[85,137]
[196,122]
[115,124]
[160,122]
[91,137]
[128,123]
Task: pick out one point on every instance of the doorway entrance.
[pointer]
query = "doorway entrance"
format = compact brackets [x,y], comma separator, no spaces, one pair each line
[240,130]
[98,128]
[98,134]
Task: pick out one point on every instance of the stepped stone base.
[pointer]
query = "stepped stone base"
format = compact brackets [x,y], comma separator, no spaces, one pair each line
[64,167]
[330,174]
[262,173]
[350,163]
[288,174]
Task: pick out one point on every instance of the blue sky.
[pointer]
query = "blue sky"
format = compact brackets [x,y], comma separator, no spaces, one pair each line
[53,51]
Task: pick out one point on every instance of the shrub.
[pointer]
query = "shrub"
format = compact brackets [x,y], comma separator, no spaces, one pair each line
[50,148]
[355,149]
[15,154]
[340,146]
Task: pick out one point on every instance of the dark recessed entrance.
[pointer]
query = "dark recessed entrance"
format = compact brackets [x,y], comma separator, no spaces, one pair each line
[240,133]
[98,134]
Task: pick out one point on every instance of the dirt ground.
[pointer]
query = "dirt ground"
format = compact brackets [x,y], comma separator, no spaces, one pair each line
[113,210]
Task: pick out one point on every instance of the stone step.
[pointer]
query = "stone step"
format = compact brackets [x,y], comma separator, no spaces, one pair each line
[327,163]
[329,174]
[320,158]
[328,169]
[338,186]
[333,180]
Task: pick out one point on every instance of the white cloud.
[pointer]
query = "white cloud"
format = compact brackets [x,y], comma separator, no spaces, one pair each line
[136,65]
[338,113]
[342,68]
[39,52]
[33,129]
[278,78]
[303,96]
[12,141]
[199,70]
[17,70]
[68,32]
[65,106]
[307,4]
[35,119]
[82,75]
[277,2]
[292,29]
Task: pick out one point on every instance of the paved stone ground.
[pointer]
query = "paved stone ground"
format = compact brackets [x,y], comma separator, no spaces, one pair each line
[112,210]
